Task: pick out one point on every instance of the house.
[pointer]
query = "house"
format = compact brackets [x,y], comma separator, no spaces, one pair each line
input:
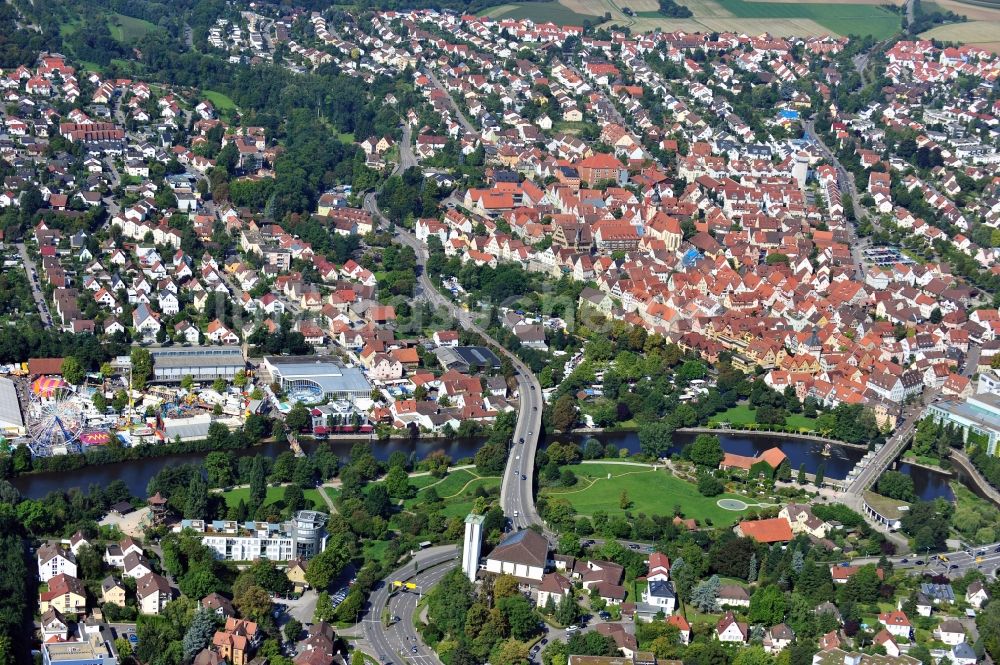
[218,604]
[801,519]
[554,587]
[112,591]
[153,592]
[963,654]
[54,626]
[523,554]
[897,623]
[841,574]
[774,530]
[951,632]
[728,629]
[64,593]
[136,565]
[733,595]
[777,638]
[884,639]
[976,594]
[683,627]
[236,640]
[78,540]
[296,574]
[660,594]
[659,567]
[446,338]
[54,560]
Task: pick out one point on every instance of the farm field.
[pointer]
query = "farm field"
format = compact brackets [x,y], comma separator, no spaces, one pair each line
[985,34]
[780,17]
[127,29]
[651,492]
[542,12]
[221,101]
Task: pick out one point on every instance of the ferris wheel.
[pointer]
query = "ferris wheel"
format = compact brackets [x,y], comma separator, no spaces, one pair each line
[55,418]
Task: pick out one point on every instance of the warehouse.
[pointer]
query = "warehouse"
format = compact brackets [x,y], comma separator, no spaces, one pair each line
[11,420]
[202,363]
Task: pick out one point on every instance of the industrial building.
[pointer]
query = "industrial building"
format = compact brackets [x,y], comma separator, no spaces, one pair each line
[300,538]
[320,375]
[202,363]
[11,418]
[467,359]
[978,417]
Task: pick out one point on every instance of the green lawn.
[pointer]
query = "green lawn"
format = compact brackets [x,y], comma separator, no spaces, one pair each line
[742,414]
[127,29]
[221,100]
[457,489]
[651,492]
[843,19]
[542,12]
[274,494]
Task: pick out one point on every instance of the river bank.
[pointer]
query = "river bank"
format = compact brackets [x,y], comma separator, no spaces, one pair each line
[726,430]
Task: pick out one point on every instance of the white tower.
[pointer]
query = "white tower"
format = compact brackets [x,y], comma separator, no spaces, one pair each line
[800,168]
[473,545]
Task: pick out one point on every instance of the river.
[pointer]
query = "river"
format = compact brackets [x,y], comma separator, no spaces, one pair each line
[137,473]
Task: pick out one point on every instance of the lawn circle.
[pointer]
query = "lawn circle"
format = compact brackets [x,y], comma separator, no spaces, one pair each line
[731,504]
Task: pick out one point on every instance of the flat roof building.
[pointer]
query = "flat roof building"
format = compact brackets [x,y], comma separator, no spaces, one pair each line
[11,418]
[978,417]
[302,537]
[202,363]
[95,651]
[467,358]
[334,379]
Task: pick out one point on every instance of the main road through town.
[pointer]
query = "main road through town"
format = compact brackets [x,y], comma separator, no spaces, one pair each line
[394,640]
[516,490]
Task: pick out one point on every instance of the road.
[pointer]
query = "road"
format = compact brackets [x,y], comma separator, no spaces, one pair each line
[451,102]
[892,449]
[517,489]
[406,157]
[36,289]
[845,181]
[988,564]
[396,641]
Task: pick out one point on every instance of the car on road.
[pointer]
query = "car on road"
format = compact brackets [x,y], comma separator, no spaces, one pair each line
[633,546]
[521,440]
[517,513]
[414,648]
[953,566]
[524,477]
[545,640]
[572,629]
[534,651]
[604,615]
[904,561]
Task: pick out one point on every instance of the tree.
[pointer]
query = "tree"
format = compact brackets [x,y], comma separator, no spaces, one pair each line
[240,379]
[327,565]
[564,413]
[72,371]
[706,451]
[801,478]
[254,603]
[187,382]
[896,485]
[324,607]
[142,367]
[219,468]
[397,482]
[199,633]
[705,594]
[449,602]
[567,612]
[656,438]
[752,655]
[709,485]
[298,418]
[196,505]
[510,652]
[988,623]
[820,470]
[520,616]
[768,605]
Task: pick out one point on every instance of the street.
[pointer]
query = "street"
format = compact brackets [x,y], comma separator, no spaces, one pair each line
[36,289]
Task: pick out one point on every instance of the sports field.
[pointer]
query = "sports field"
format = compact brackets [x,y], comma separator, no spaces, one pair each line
[650,492]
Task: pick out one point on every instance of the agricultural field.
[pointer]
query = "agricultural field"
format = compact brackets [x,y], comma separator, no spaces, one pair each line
[982,29]
[127,29]
[779,17]
[542,12]
[599,488]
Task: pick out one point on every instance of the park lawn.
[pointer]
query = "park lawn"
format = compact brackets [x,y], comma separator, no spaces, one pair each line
[651,492]
[461,505]
[451,484]
[421,482]
[742,414]
[127,29]
[221,100]
[274,494]
[844,19]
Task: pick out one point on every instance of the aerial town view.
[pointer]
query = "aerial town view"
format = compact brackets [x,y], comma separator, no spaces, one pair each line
[487,332]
